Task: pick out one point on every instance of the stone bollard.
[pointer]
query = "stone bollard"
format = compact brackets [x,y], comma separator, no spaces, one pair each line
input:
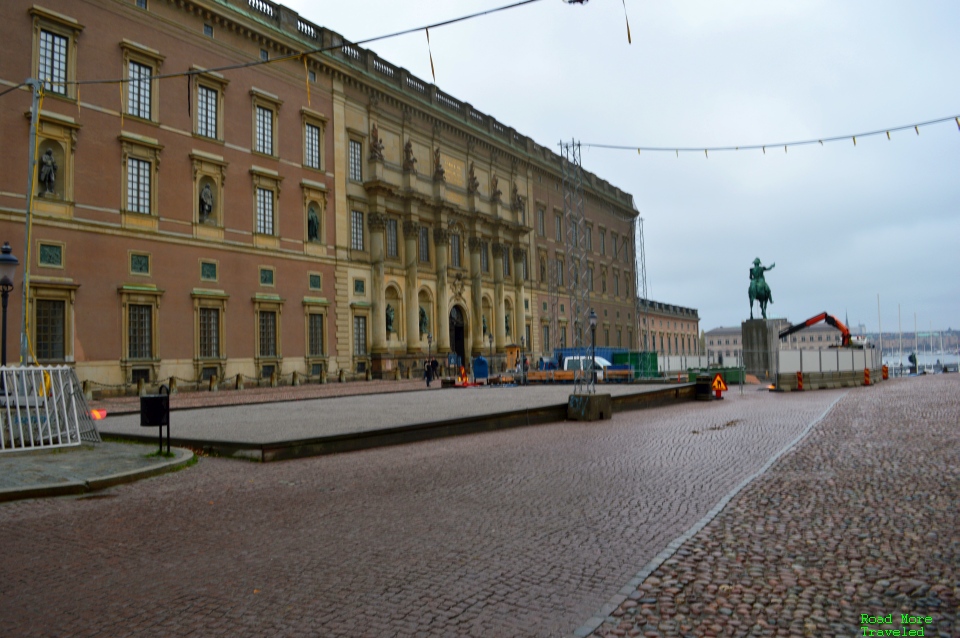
[213,383]
[341,375]
[396,374]
[87,391]
[173,385]
[369,374]
[141,388]
[296,379]
[323,375]
[239,384]
[274,379]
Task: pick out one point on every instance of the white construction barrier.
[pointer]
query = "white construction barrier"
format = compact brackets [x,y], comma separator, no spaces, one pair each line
[43,407]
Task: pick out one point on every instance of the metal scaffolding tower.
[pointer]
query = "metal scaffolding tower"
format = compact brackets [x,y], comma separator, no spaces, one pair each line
[576,247]
[643,299]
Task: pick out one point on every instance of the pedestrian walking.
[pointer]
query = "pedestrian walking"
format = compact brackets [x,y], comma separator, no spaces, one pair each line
[435,368]
[427,372]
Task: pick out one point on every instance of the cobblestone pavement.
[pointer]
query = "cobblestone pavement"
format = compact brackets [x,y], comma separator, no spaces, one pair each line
[860,519]
[523,532]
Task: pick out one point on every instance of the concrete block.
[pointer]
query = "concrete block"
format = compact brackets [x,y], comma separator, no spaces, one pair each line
[589,407]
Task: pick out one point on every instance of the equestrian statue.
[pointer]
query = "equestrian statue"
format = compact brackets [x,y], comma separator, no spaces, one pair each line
[759,290]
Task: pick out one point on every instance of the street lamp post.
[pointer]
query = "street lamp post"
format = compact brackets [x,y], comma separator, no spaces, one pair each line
[490,339]
[8,269]
[593,348]
[523,368]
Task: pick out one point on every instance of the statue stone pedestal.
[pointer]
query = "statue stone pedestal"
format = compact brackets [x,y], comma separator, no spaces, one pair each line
[761,342]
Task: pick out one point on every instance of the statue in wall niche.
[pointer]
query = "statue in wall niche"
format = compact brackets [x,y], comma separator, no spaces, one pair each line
[515,200]
[409,161]
[506,324]
[390,315]
[484,325]
[473,184]
[313,224]
[759,290]
[206,203]
[438,172]
[495,191]
[376,145]
[424,324]
[48,172]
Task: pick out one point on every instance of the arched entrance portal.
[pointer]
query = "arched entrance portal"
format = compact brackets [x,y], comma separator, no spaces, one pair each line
[458,333]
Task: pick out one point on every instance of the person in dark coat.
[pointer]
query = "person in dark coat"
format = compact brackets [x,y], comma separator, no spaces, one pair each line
[428,372]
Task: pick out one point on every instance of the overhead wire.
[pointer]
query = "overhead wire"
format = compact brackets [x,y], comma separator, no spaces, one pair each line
[754,147]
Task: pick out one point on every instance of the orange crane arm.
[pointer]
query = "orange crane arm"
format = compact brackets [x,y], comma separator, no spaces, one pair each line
[827,318]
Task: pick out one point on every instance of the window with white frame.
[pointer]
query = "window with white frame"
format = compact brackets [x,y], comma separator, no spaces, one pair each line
[485,257]
[356,230]
[393,247]
[558,227]
[267,321]
[264,133]
[208,103]
[138,185]
[424,244]
[209,332]
[265,211]
[541,224]
[311,145]
[456,256]
[53,61]
[359,336]
[140,331]
[356,160]
[603,242]
[315,334]
[139,90]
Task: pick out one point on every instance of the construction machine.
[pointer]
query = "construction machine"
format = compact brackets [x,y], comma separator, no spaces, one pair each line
[846,341]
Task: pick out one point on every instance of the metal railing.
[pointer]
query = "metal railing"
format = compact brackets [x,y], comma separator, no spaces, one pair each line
[43,407]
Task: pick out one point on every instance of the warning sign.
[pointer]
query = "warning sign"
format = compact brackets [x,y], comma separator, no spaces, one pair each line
[718,384]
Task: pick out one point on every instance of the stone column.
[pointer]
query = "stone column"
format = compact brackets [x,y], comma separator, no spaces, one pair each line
[475,244]
[411,234]
[499,330]
[376,223]
[518,286]
[441,331]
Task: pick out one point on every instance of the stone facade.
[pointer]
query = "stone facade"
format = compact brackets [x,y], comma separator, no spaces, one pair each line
[268,219]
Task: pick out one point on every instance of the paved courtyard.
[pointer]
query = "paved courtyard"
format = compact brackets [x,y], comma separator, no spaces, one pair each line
[524,532]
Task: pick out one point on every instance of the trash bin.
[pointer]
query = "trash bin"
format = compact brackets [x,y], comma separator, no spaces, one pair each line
[703,387]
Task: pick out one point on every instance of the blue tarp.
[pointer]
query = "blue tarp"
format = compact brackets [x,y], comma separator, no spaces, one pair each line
[481,369]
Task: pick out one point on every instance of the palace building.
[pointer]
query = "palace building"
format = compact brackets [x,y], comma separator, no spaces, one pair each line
[321,212]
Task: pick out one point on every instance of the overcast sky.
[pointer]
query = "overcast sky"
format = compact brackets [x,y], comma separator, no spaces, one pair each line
[843,223]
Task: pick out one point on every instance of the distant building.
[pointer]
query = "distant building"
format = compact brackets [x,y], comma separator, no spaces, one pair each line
[672,329]
[725,345]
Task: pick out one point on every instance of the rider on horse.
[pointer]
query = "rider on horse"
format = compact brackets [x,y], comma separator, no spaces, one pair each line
[759,289]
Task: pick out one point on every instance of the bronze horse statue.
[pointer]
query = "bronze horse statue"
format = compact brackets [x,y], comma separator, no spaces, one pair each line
[759,290]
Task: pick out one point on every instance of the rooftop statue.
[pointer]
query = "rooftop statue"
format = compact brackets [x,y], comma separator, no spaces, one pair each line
[759,290]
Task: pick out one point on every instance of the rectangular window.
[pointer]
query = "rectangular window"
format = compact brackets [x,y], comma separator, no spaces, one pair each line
[484,257]
[506,263]
[393,249]
[613,240]
[616,285]
[455,255]
[53,62]
[209,333]
[356,166]
[563,336]
[140,337]
[546,338]
[208,270]
[560,273]
[359,336]
[424,244]
[559,228]
[50,324]
[311,145]
[590,279]
[603,242]
[208,30]
[356,230]
[268,333]
[541,224]
[51,255]
[315,281]
[207,112]
[264,140]
[138,90]
[526,271]
[142,4]
[264,211]
[138,186]
[316,335]
[589,238]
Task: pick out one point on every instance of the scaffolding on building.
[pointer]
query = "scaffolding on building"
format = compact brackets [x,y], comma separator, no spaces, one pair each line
[576,249]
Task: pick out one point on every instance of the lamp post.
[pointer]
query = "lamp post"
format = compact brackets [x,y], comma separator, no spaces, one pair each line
[8,269]
[490,339]
[593,347]
[523,368]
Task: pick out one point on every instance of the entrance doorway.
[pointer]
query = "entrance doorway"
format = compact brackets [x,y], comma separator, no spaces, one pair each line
[457,332]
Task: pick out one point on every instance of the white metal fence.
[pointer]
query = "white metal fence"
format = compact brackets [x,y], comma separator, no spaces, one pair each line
[832,360]
[43,407]
[680,363]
